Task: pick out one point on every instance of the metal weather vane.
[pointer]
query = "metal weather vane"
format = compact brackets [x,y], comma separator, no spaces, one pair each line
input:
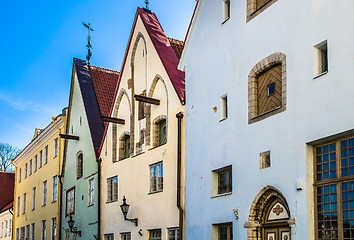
[147,4]
[89,46]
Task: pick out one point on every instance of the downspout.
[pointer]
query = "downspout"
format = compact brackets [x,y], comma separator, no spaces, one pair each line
[15,203]
[59,204]
[179,117]
[99,160]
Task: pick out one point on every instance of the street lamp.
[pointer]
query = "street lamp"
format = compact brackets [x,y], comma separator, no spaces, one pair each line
[125,208]
[71,223]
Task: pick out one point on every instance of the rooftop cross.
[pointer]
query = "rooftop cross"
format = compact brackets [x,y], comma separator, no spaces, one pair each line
[89,46]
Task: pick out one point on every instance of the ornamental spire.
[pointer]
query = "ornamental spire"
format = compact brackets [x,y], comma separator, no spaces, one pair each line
[89,46]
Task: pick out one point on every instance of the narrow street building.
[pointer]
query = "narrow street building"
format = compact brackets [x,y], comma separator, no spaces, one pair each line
[269,120]
[142,152]
[91,96]
[37,188]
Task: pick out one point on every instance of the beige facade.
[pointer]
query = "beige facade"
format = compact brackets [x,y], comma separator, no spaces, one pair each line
[37,188]
[140,157]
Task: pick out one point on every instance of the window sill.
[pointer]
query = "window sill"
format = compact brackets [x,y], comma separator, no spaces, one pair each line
[320,75]
[111,201]
[155,192]
[222,195]
[225,20]
[54,201]
[90,205]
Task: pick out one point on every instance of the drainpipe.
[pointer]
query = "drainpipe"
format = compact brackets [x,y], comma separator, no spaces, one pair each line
[60,185]
[179,117]
[99,160]
[15,203]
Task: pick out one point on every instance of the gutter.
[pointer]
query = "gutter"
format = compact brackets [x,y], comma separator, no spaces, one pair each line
[60,185]
[99,160]
[179,117]
[15,202]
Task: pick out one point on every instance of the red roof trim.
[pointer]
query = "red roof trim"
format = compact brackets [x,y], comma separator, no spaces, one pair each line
[190,24]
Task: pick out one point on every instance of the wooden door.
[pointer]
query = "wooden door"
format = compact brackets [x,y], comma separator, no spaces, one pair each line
[277,234]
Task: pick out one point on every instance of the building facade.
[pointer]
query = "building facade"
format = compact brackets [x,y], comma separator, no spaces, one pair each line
[37,188]
[141,164]
[91,96]
[7,185]
[269,138]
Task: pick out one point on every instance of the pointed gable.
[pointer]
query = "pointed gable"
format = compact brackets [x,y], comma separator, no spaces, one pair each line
[165,51]
[97,87]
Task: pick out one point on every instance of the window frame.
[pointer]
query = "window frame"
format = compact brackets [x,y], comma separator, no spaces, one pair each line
[34,189]
[158,185]
[46,155]
[56,146]
[252,11]
[91,192]
[158,231]
[229,229]
[223,108]
[53,228]
[55,189]
[228,185]
[175,231]
[40,159]
[24,204]
[226,10]
[320,59]
[43,230]
[338,181]
[66,202]
[112,189]
[79,165]
[44,192]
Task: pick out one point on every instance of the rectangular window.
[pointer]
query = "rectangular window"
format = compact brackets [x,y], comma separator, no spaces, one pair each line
[224,180]
[9,232]
[19,175]
[55,188]
[2,228]
[109,236]
[26,169]
[34,198]
[35,163]
[334,189]
[56,147]
[264,160]
[70,201]
[125,236]
[54,229]
[223,107]
[22,231]
[30,167]
[18,205]
[91,192]
[5,228]
[43,230]
[112,189]
[44,197]
[24,204]
[17,234]
[40,159]
[46,155]
[32,231]
[155,234]
[67,234]
[226,10]
[27,231]
[225,231]
[320,59]
[156,177]
[173,234]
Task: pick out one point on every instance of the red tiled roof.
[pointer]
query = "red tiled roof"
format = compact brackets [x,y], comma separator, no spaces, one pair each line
[164,50]
[7,184]
[104,82]
[177,46]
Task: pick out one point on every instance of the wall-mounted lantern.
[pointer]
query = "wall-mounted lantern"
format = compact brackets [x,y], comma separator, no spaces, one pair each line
[71,223]
[125,208]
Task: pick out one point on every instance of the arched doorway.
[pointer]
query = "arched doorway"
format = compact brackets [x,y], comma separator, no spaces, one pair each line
[269,217]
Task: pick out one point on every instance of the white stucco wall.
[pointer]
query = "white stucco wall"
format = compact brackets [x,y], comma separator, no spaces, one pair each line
[5,225]
[217,61]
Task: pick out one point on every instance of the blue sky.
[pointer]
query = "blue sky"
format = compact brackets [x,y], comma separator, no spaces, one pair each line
[39,39]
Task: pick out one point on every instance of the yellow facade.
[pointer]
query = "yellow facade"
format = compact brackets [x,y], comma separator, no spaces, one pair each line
[37,187]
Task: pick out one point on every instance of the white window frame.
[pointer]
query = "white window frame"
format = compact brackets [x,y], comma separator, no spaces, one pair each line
[35,163]
[18,205]
[91,192]
[44,196]
[46,155]
[40,158]
[175,232]
[226,10]
[19,175]
[30,167]
[54,229]
[126,236]
[55,189]
[27,231]
[43,230]
[112,189]
[156,171]
[24,204]
[319,69]
[56,145]
[34,198]
[26,168]
[223,108]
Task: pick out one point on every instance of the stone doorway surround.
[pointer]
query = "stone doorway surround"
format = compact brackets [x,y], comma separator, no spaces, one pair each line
[257,212]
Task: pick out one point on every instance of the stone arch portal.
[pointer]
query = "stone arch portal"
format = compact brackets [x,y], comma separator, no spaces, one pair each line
[269,217]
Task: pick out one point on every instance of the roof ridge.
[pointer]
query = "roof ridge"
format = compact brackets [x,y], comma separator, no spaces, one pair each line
[105,69]
[175,39]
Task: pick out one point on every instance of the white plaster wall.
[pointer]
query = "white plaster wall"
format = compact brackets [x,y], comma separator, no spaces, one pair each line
[5,233]
[218,60]
[157,210]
